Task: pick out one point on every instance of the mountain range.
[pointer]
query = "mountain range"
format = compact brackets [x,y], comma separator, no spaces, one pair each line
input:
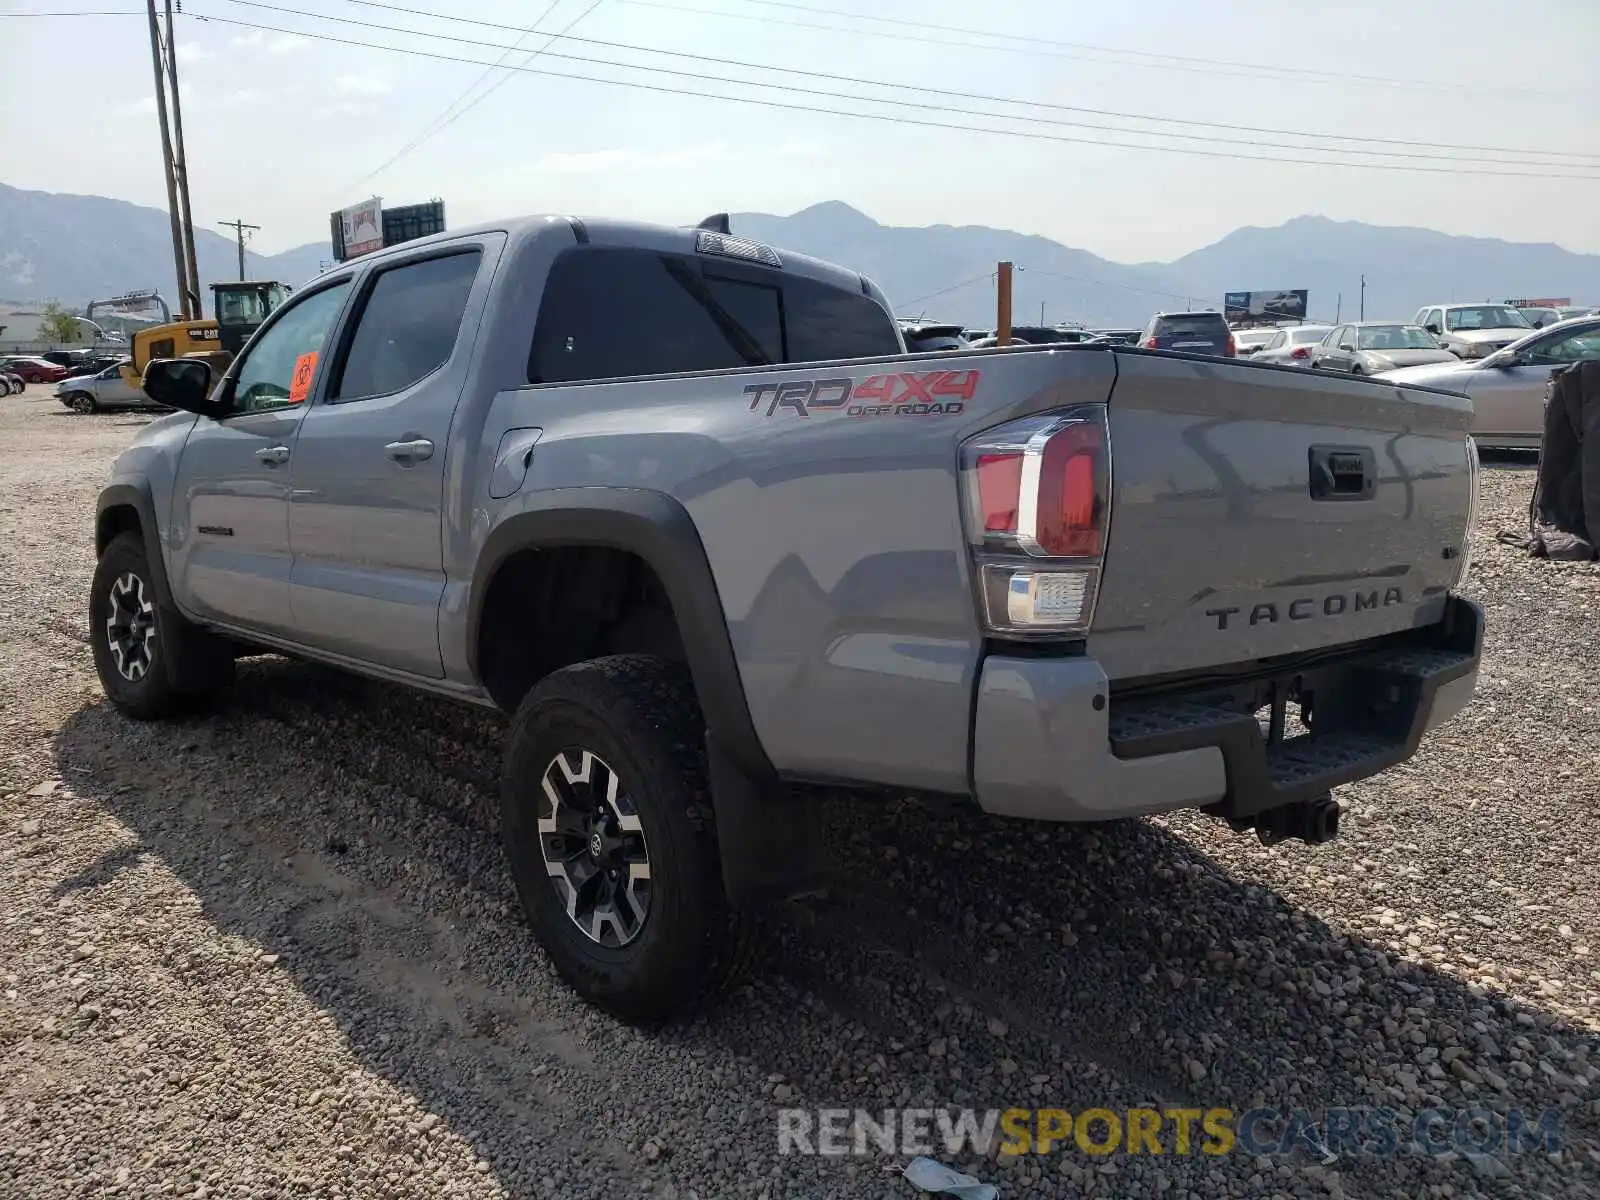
[76,248]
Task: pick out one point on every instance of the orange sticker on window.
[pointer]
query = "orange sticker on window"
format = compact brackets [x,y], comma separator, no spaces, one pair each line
[305,370]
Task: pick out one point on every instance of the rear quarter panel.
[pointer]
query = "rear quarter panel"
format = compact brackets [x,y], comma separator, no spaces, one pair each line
[835,539]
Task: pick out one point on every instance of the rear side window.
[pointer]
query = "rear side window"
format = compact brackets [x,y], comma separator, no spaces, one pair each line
[612,313]
[408,326]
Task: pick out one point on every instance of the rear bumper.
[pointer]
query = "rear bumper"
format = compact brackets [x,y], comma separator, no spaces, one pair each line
[1051,740]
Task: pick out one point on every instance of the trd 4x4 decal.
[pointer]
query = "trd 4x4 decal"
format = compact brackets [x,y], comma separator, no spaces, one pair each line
[904,394]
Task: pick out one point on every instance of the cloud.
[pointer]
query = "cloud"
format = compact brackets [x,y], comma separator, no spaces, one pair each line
[134,108]
[594,162]
[245,96]
[361,85]
[192,52]
[278,43]
[353,108]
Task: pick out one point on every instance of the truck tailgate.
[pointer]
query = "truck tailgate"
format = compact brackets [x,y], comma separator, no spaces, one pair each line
[1259,512]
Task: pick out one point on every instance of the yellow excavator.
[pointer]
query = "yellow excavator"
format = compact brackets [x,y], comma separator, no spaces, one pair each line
[240,308]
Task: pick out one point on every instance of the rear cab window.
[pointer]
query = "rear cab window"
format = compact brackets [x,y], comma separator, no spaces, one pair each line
[616,312]
[1207,325]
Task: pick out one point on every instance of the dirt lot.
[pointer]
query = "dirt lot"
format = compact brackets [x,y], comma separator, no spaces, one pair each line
[274,953]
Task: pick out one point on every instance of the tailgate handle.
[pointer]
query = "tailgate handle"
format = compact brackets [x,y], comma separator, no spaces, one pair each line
[1343,473]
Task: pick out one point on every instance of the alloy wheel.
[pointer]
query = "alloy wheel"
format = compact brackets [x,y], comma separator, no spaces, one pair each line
[131,627]
[594,848]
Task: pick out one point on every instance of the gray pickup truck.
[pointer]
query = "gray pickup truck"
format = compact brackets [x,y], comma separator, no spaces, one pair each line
[682,505]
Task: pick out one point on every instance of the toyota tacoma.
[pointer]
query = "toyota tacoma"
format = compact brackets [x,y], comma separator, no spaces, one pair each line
[682,506]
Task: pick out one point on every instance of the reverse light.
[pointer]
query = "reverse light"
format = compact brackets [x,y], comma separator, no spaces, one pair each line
[1036,495]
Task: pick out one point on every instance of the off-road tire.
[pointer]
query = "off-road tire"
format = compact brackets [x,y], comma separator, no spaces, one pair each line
[82,403]
[638,713]
[186,666]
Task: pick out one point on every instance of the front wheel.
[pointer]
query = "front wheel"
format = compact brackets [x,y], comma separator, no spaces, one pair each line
[82,402]
[1356,370]
[607,822]
[134,638]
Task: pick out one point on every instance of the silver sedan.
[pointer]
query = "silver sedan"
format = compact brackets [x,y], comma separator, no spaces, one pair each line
[1373,347]
[1508,387]
[1291,347]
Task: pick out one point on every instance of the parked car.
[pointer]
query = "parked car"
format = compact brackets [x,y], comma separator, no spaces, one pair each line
[1291,346]
[1508,387]
[1120,337]
[1577,310]
[65,358]
[13,383]
[93,366]
[921,336]
[1372,347]
[34,369]
[726,494]
[104,389]
[1247,342]
[1195,332]
[1472,330]
[1049,335]
[973,335]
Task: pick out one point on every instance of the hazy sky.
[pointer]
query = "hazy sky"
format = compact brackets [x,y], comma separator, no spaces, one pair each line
[282,129]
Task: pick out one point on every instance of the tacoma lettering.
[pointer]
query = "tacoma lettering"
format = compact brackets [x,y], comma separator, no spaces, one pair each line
[1307,608]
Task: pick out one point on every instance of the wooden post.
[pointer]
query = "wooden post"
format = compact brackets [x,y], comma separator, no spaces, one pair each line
[1002,329]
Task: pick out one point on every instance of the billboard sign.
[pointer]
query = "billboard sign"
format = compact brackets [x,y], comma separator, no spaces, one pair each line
[1266,306]
[1555,302]
[362,227]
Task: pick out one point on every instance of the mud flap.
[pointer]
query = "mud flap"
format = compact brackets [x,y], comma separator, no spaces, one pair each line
[770,841]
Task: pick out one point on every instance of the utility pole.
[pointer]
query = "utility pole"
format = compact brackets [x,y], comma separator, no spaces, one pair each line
[179,263]
[1002,329]
[1338,308]
[1041,312]
[180,170]
[1363,298]
[238,228]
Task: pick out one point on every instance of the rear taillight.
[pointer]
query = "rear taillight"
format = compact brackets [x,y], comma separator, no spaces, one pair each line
[1037,501]
[1300,352]
[1233,346]
[1150,344]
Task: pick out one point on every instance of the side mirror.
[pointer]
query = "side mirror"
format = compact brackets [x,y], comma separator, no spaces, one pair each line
[1346,346]
[1433,329]
[180,383]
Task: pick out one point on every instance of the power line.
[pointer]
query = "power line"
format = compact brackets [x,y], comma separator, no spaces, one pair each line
[240,228]
[1206,64]
[439,126]
[1035,51]
[883,117]
[986,98]
[954,287]
[992,99]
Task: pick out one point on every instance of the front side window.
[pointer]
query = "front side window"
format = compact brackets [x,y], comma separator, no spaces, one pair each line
[282,363]
[1276,340]
[408,327]
[1569,348]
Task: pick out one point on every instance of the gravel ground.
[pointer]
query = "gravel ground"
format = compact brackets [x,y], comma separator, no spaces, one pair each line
[275,953]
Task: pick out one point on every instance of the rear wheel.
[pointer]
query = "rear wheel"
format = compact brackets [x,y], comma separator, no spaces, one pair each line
[141,650]
[1356,370]
[607,821]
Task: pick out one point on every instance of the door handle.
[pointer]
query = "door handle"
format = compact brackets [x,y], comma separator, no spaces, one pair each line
[274,456]
[411,449]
